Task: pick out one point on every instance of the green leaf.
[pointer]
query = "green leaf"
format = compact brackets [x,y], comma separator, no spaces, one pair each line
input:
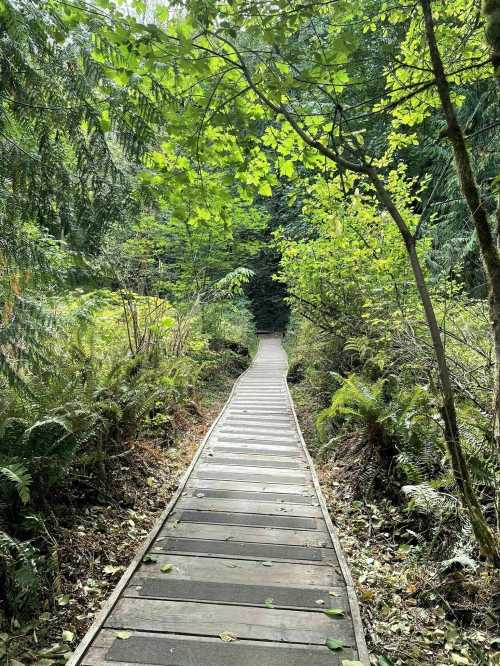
[334,612]
[166,568]
[67,636]
[349,662]
[123,635]
[63,599]
[383,661]
[334,644]
[149,559]
[265,189]
[268,603]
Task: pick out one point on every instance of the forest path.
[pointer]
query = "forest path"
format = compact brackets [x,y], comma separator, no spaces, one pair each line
[244,562]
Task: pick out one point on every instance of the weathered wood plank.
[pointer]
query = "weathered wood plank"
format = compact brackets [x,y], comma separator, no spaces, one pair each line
[247,519]
[287,490]
[245,550]
[288,596]
[262,535]
[242,460]
[257,439]
[247,505]
[191,567]
[229,473]
[258,449]
[151,649]
[245,622]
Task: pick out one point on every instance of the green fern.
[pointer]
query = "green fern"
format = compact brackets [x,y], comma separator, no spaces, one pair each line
[17,474]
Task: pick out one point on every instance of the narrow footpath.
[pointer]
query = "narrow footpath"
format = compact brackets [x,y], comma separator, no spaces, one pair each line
[244,565]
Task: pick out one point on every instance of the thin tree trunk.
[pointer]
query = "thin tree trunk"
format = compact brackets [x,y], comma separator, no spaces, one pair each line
[487,242]
[482,532]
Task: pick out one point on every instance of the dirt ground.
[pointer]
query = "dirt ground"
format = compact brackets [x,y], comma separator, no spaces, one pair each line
[414,613]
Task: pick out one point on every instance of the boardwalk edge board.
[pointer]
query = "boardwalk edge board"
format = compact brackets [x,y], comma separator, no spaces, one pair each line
[250,402]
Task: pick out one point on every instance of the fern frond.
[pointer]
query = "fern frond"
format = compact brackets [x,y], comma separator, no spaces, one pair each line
[18,474]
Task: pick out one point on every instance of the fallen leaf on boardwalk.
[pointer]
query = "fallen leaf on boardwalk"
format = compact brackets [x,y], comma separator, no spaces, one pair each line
[230,565]
[227,637]
[348,662]
[332,593]
[67,635]
[334,644]
[267,564]
[319,602]
[123,635]
[166,568]
[200,494]
[334,612]
[268,603]
[149,559]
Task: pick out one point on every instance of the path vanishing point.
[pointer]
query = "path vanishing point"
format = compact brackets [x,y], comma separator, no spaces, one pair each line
[244,562]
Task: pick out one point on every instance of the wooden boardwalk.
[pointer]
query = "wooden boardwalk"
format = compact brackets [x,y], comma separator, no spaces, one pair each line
[244,562]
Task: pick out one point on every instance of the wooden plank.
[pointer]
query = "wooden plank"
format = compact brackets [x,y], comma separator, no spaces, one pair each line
[241,429]
[263,535]
[247,519]
[279,507]
[288,596]
[246,622]
[191,567]
[229,474]
[297,476]
[285,489]
[257,439]
[242,460]
[245,550]
[271,446]
[258,449]
[152,649]
[262,412]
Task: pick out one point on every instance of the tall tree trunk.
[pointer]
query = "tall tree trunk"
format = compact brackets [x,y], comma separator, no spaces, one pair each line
[470,190]
[482,532]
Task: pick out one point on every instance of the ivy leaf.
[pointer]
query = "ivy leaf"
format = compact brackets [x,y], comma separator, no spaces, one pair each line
[67,636]
[334,612]
[334,644]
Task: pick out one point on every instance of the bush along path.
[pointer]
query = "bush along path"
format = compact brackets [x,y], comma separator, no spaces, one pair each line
[244,566]
[93,537]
